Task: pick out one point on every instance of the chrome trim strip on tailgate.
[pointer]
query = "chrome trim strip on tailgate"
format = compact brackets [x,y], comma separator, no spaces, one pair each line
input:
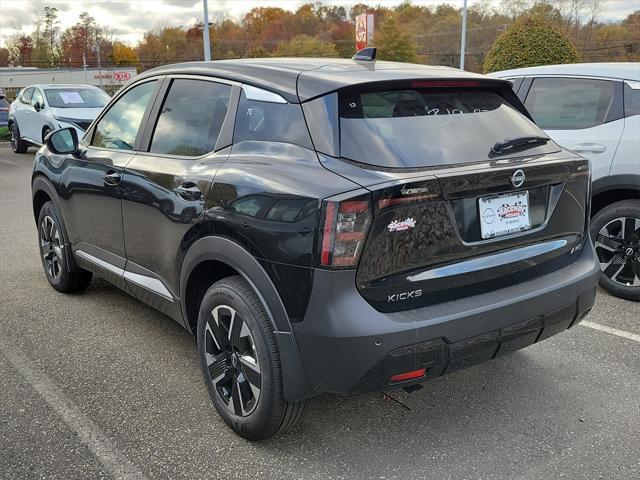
[489,261]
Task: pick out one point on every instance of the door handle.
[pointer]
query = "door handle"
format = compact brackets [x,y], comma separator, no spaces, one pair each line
[589,147]
[188,191]
[111,177]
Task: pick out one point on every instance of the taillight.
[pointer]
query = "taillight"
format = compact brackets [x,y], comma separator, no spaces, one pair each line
[344,231]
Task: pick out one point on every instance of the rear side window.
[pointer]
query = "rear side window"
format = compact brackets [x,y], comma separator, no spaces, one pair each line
[572,103]
[631,100]
[191,118]
[270,122]
[422,127]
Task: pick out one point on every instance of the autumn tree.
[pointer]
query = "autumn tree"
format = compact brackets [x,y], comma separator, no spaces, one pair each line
[20,50]
[4,57]
[257,51]
[394,44]
[86,38]
[122,54]
[306,46]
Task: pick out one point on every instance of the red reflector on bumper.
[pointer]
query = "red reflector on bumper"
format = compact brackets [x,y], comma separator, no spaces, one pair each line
[401,377]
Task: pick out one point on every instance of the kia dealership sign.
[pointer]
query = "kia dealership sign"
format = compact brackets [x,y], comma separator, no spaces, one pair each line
[122,76]
[364,30]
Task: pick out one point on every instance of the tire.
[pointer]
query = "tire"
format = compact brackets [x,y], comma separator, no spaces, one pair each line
[17,144]
[615,231]
[51,242]
[246,390]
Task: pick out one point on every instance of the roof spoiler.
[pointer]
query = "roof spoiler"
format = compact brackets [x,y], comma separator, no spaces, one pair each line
[365,55]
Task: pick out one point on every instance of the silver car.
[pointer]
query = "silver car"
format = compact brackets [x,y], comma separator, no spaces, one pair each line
[40,109]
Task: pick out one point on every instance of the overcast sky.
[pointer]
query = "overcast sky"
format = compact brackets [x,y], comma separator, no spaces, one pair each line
[129,20]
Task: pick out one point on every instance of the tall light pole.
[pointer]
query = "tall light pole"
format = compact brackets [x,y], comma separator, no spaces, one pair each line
[463,39]
[205,32]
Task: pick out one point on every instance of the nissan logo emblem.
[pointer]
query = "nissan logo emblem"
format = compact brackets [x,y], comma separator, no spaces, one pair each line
[517,179]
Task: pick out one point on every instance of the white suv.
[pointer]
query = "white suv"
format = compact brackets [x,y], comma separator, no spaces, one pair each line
[594,110]
[40,109]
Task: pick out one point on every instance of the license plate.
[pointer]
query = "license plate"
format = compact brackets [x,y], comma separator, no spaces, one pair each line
[504,214]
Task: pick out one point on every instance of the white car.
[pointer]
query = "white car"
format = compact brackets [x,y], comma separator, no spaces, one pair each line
[40,109]
[594,110]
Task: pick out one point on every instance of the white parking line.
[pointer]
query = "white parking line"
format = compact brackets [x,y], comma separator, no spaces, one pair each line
[612,331]
[87,431]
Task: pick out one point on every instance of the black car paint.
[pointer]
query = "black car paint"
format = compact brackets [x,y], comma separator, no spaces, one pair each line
[143,226]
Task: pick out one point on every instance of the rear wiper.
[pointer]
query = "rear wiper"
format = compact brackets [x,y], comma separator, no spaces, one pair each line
[520,143]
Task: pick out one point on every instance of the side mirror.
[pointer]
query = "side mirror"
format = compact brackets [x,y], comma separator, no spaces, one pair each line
[38,107]
[63,141]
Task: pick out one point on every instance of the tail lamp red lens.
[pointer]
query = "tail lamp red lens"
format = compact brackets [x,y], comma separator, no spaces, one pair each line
[412,375]
[344,231]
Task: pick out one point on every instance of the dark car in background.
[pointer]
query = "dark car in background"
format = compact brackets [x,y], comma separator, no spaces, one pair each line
[322,225]
[4,110]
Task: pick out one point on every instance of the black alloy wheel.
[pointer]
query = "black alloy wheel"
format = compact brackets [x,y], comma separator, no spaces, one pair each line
[51,248]
[615,232]
[240,361]
[51,242]
[232,360]
[17,145]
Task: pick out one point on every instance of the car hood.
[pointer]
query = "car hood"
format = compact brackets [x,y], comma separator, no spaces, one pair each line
[76,113]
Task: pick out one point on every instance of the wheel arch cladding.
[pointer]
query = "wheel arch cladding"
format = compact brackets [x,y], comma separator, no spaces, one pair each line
[614,188]
[43,191]
[232,259]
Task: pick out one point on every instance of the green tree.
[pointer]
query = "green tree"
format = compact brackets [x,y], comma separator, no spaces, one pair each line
[306,46]
[46,49]
[529,42]
[394,43]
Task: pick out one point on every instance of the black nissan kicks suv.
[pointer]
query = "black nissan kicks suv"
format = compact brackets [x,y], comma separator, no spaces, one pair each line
[322,225]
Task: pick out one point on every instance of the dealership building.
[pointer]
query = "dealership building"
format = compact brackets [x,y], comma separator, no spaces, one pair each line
[12,80]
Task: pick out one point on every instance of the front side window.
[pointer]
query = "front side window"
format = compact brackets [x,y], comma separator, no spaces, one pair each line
[119,127]
[191,118]
[76,97]
[570,103]
[416,126]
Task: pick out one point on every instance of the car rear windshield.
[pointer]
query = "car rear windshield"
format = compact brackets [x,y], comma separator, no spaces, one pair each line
[422,127]
[76,97]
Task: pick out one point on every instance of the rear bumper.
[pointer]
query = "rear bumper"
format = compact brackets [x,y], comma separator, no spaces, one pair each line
[347,346]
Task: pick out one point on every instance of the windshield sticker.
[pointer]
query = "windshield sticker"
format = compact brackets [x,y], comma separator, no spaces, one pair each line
[70,97]
[401,226]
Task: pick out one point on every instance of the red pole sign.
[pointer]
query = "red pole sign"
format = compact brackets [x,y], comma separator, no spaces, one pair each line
[364,30]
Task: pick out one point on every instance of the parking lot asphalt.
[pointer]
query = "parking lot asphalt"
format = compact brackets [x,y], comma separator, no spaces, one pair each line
[98,385]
